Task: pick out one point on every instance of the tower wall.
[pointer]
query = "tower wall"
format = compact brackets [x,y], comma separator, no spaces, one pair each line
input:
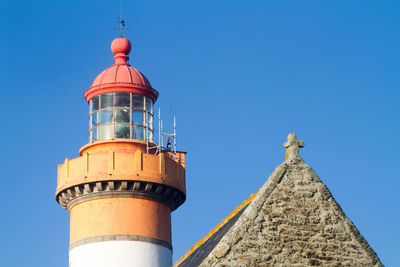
[108,217]
[120,232]
[121,253]
[120,199]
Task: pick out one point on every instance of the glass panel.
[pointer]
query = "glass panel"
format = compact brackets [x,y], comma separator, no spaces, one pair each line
[149,105]
[94,120]
[94,103]
[106,131]
[122,131]
[138,101]
[150,135]
[106,116]
[107,100]
[123,115]
[137,117]
[122,99]
[149,120]
[93,135]
[138,132]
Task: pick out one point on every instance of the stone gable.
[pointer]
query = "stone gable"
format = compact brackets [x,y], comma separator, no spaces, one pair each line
[293,221]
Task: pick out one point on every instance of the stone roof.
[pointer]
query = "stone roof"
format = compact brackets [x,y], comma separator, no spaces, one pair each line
[293,220]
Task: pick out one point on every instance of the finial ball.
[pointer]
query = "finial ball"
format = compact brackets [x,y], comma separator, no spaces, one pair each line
[121,45]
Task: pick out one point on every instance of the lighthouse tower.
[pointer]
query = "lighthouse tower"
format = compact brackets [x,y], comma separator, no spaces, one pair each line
[122,188]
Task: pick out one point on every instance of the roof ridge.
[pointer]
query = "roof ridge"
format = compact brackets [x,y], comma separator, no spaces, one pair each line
[265,189]
[116,73]
[129,72]
[140,74]
[281,174]
[104,73]
[216,228]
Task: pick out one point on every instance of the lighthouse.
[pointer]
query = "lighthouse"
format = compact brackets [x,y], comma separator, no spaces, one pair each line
[122,188]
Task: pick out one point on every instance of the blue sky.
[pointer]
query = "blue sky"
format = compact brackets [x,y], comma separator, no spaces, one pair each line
[239,75]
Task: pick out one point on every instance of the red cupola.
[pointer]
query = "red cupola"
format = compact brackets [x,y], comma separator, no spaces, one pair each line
[121,77]
[121,100]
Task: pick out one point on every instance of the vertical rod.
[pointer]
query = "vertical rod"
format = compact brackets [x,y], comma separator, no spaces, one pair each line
[162,135]
[159,126]
[146,129]
[145,119]
[174,135]
[120,18]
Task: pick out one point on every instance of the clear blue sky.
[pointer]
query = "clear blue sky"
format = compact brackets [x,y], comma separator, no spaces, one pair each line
[239,75]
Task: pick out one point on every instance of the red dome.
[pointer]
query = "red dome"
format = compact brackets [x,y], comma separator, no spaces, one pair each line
[121,73]
[121,77]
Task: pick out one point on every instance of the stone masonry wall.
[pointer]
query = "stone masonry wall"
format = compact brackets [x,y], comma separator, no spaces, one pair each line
[298,223]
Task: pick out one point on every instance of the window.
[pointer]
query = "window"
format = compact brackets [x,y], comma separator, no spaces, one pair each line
[122,131]
[94,104]
[106,116]
[138,132]
[94,119]
[149,105]
[138,117]
[93,135]
[106,131]
[138,101]
[123,100]
[107,100]
[149,120]
[121,115]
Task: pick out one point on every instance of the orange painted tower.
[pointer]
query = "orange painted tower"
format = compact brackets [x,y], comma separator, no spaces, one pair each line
[121,190]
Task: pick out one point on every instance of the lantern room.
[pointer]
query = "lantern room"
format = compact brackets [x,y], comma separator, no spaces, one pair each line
[121,115]
[121,100]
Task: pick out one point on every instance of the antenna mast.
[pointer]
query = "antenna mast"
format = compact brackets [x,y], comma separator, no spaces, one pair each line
[171,138]
[159,126]
[121,21]
[174,149]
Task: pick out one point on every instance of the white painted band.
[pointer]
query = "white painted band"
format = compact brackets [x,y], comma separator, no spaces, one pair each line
[121,254]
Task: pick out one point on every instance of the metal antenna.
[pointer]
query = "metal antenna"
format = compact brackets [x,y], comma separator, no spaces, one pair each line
[146,125]
[170,116]
[162,135]
[121,21]
[159,126]
[171,137]
[174,135]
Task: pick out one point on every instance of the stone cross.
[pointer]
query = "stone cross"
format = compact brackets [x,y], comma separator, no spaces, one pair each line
[292,147]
